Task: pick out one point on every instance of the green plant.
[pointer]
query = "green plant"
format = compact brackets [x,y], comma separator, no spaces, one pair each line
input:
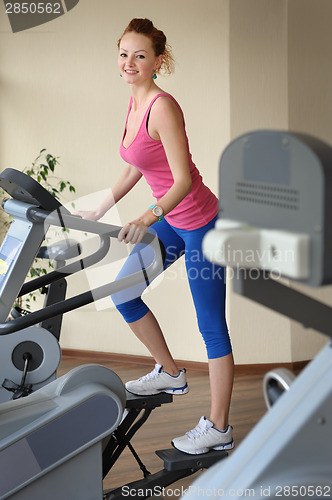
[42,170]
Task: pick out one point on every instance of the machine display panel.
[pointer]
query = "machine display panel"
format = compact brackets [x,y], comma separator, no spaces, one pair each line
[8,253]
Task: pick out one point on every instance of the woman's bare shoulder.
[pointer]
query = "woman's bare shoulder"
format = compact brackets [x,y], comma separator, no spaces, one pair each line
[165,108]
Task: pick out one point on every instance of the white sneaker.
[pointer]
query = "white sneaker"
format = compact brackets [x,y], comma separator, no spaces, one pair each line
[159,381]
[203,438]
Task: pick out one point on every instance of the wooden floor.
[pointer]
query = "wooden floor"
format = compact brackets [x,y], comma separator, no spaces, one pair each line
[172,420]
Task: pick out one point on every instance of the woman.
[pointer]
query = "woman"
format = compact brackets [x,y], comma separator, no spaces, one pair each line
[155,146]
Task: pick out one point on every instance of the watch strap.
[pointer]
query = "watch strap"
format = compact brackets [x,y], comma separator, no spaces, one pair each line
[160,217]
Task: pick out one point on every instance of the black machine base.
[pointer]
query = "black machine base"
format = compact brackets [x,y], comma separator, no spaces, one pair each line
[177,465]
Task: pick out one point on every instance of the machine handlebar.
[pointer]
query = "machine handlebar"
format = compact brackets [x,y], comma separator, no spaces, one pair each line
[106,232]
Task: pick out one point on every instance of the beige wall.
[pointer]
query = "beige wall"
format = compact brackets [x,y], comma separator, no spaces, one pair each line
[310,111]
[280,78]
[259,99]
[241,65]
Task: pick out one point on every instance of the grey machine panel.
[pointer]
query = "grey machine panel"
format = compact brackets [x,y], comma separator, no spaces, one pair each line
[50,442]
[281,180]
[276,189]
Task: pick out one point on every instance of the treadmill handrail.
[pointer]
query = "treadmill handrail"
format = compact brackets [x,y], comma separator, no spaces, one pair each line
[68,269]
[78,300]
[56,218]
[59,219]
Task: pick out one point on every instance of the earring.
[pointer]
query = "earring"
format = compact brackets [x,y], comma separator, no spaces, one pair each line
[154,76]
[120,75]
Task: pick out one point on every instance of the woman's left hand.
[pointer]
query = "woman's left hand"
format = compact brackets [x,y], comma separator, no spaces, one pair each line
[133,232]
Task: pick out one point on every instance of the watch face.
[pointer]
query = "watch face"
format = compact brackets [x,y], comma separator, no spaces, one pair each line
[158,211]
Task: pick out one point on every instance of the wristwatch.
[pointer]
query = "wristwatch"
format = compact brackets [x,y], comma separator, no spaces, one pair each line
[158,212]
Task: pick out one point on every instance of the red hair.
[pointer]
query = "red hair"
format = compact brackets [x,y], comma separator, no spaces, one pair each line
[158,39]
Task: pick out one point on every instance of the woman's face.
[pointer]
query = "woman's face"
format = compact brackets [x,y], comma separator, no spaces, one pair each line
[137,60]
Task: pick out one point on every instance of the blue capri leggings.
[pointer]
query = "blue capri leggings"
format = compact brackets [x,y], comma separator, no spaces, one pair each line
[206,280]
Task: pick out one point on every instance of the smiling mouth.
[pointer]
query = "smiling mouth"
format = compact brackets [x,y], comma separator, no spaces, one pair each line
[131,72]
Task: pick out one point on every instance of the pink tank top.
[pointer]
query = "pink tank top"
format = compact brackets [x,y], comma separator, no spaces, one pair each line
[148,155]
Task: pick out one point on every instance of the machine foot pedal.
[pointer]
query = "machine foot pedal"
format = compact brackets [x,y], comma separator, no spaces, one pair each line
[176,460]
[148,402]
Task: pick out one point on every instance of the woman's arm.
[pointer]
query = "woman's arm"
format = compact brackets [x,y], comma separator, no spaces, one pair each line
[127,180]
[165,124]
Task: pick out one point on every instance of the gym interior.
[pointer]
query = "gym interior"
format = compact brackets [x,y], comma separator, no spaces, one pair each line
[241,66]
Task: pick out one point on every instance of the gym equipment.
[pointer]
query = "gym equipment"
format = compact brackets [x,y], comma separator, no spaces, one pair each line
[59,253]
[275,382]
[276,208]
[59,438]
[54,293]
[51,441]
[34,210]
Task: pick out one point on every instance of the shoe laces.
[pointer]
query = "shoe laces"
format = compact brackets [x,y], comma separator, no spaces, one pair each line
[201,428]
[152,374]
